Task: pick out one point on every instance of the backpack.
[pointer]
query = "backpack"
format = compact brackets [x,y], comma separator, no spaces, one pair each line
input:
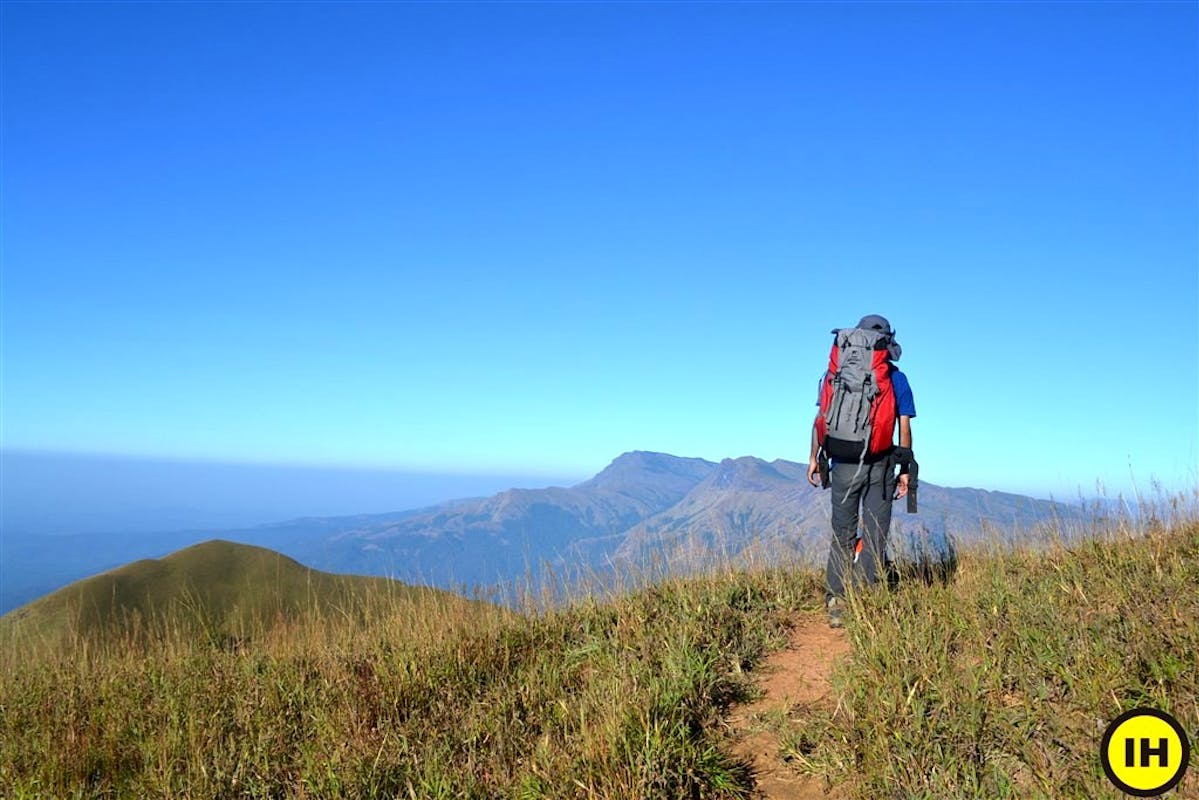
[857,401]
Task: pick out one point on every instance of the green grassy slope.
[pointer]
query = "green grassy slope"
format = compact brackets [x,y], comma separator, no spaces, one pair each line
[222,588]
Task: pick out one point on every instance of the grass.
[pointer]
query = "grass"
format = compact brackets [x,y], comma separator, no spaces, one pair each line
[997,683]
[620,698]
[1000,683]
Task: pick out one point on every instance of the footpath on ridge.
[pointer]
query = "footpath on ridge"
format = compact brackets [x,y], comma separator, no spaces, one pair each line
[796,677]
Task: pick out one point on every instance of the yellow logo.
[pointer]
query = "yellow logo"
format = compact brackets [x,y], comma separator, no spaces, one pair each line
[1144,752]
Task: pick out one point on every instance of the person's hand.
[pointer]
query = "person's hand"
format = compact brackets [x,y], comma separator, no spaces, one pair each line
[901,486]
[814,473]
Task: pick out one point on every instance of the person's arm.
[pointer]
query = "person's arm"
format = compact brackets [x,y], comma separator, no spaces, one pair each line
[905,440]
[813,466]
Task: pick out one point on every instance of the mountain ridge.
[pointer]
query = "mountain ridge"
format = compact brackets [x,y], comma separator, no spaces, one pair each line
[645,504]
[639,506]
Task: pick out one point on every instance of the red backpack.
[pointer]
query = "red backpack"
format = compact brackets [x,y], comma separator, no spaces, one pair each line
[857,401]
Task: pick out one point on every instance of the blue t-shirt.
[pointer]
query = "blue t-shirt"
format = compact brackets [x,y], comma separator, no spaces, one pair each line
[905,405]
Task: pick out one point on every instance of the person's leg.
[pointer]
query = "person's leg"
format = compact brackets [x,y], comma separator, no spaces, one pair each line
[846,491]
[876,520]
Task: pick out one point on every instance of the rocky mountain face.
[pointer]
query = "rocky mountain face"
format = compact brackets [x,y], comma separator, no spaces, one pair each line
[654,508]
[518,532]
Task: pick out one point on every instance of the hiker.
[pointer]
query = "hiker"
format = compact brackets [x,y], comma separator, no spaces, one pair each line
[862,398]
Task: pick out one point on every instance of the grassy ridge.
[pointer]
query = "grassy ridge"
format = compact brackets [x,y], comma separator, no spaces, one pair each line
[1001,683]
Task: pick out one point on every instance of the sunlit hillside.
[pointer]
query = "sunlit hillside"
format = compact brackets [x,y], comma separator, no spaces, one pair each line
[220,590]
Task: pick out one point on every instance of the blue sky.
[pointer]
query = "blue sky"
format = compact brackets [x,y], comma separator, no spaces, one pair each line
[523,238]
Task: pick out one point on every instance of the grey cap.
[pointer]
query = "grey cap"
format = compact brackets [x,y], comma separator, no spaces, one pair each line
[875,322]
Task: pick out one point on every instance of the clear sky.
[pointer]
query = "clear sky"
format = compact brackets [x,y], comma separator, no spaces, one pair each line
[524,238]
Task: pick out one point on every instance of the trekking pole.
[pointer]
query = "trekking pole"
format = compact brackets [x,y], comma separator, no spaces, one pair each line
[907,462]
[913,483]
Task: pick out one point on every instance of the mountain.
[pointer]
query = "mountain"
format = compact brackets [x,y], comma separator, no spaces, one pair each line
[649,508]
[743,502]
[218,586]
[643,508]
[749,504]
[512,534]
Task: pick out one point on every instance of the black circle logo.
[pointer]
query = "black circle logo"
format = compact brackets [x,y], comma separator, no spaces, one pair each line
[1144,752]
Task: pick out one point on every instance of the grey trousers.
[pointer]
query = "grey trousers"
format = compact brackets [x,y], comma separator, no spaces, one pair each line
[871,491]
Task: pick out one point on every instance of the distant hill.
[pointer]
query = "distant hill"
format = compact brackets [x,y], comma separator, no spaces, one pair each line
[508,535]
[645,505]
[748,503]
[641,506]
[33,565]
[220,587]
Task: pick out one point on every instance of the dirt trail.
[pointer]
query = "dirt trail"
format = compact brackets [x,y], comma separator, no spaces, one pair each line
[798,675]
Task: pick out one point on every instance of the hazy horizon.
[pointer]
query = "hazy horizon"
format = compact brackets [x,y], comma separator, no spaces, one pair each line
[48,492]
[52,492]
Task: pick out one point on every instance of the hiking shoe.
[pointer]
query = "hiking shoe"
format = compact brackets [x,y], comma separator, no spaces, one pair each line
[836,613]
